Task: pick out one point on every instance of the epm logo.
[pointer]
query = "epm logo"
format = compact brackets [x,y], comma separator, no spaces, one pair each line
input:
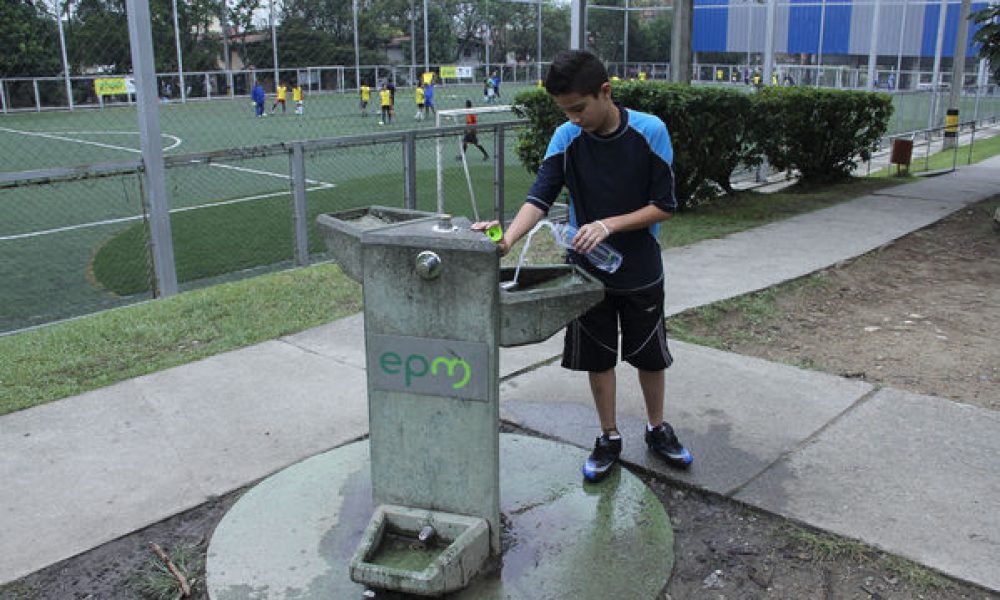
[428,366]
[418,365]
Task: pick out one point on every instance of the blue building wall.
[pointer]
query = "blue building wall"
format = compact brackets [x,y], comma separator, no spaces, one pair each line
[844,26]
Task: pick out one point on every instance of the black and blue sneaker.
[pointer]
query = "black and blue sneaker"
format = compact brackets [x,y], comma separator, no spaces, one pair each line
[663,441]
[605,455]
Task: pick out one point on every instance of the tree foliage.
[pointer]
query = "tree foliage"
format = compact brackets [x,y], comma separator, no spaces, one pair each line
[822,134]
[989,35]
[29,39]
[649,32]
[309,32]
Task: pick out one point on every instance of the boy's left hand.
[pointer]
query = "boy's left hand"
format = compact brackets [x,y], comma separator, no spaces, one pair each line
[589,236]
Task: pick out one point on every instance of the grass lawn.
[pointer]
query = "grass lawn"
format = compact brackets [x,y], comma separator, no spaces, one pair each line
[982,149]
[69,358]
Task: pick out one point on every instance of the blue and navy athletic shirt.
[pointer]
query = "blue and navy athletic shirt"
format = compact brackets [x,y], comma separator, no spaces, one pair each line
[613,175]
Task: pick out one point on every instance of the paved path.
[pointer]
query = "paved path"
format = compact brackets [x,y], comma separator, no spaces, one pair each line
[915,475]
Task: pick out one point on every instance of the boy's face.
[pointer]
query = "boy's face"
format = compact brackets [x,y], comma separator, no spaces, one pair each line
[592,114]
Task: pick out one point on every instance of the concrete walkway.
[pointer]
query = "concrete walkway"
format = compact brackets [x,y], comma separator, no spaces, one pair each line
[915,475]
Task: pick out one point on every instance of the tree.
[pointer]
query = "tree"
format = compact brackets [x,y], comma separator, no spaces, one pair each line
[97,35]
[989,36]
[649,37]
[30,40]
[240,18]
[555,29]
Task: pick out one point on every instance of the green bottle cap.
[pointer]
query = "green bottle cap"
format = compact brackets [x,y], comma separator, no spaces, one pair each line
[495,233]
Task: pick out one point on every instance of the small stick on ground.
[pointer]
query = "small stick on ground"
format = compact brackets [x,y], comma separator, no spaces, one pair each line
[185,588]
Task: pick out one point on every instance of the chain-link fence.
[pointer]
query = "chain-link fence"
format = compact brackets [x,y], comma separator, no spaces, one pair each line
[75,240]
[54,235]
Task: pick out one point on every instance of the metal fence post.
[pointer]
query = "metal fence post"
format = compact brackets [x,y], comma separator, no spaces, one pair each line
[300,216]
[498,166]
[972,142]
[410,170]
[147,101]
[3,95]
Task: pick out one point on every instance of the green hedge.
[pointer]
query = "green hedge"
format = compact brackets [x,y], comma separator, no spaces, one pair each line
[715,130]
[823,134]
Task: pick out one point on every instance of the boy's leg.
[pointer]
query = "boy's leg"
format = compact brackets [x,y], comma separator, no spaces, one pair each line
[644,346]
[608,445]
[592,345]
[603,387]
[653,386]
[660,436]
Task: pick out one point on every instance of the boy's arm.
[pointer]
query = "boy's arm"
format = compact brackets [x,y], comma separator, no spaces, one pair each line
[590,235]
[527,217]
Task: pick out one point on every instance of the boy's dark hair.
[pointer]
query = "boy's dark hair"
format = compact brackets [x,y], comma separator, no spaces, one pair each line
[575,71]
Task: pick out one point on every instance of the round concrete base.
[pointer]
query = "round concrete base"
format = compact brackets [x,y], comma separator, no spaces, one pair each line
[293,535]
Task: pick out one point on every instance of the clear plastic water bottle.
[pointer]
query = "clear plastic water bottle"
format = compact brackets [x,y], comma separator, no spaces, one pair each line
[603,256]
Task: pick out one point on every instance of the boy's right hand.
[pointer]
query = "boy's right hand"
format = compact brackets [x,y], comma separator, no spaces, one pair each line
[502,243]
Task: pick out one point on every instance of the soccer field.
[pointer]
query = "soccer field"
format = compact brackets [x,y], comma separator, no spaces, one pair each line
[73,247]
[32,140]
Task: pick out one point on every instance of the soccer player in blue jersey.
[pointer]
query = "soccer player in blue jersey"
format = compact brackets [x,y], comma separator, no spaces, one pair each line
[616,164]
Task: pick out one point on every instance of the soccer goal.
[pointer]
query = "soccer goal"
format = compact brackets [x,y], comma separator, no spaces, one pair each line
[456,116]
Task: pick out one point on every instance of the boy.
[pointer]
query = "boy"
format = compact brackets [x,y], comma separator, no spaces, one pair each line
[366,93]
[385,101]
[281,98]
[616,164]
[419,98]
[429,96]
[258,97]
[488,90]
[496,84]
[300,106]
[471,136]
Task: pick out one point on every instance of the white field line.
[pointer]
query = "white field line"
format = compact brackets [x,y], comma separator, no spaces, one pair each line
[177,141]
[267,173]
[32,234]
[58,135]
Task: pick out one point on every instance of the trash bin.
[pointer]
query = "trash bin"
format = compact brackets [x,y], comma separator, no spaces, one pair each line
[902,153]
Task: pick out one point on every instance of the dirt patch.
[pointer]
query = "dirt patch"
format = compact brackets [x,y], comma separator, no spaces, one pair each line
[921,314]
[723,550]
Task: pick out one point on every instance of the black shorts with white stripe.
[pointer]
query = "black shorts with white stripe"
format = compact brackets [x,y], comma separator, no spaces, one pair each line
[592,339]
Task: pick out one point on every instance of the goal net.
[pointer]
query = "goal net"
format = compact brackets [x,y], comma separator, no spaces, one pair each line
[457,116]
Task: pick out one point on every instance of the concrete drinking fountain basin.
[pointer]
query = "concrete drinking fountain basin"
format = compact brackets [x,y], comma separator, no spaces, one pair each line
[543,300]
[343,231]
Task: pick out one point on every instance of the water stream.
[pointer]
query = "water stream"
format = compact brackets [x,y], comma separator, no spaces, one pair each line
[512,284]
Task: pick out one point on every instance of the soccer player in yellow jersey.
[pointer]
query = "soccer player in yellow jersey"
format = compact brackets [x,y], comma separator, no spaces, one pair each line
[366,94]
[419,97]
[297,98]
[282,96]
[385,97]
